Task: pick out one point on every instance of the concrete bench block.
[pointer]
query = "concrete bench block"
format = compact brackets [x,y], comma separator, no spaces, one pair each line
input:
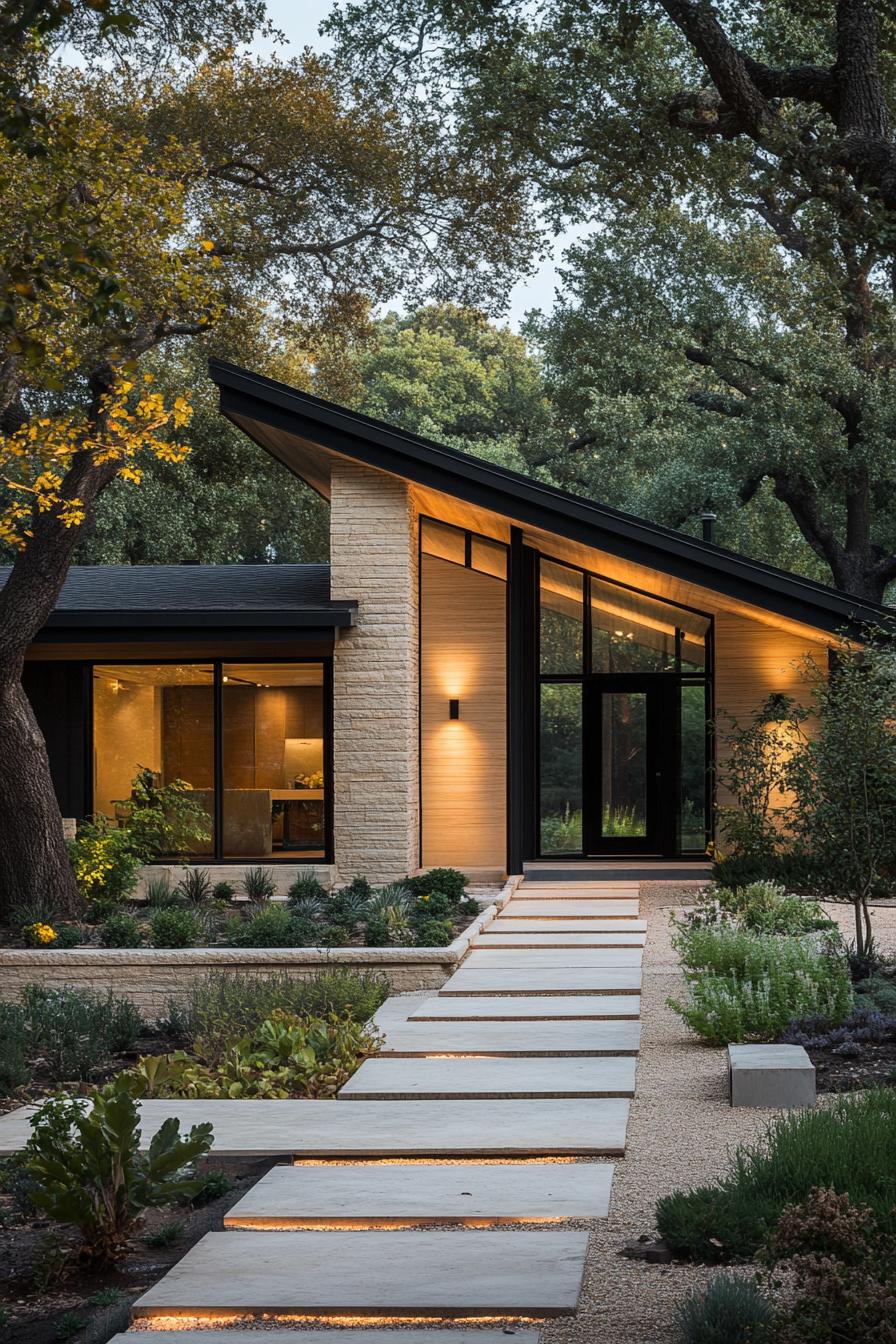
[771,1076]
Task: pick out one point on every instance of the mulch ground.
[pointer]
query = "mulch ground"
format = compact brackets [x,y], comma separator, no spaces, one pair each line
[874,1067]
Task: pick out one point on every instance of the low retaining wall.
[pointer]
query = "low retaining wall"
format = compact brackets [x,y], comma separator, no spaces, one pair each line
[152,977]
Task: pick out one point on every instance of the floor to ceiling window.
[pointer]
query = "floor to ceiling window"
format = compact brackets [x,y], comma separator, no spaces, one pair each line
[250,739]
[624,706]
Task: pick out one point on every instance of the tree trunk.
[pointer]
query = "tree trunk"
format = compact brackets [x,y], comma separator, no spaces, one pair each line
[34,864]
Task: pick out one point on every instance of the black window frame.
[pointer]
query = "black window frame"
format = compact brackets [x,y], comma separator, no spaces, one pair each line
[217,664]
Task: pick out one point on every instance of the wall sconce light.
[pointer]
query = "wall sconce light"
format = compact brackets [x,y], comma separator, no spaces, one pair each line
[454,709]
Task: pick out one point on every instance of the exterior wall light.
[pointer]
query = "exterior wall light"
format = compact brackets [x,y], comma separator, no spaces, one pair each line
[454,709]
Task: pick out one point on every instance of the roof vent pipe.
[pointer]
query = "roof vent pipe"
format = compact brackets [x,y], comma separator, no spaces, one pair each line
[708,519]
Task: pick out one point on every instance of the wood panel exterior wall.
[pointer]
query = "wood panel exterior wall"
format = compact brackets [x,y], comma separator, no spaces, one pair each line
[463,656]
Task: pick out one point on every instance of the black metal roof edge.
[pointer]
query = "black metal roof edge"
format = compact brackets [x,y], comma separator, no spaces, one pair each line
[508,492]
[337,615]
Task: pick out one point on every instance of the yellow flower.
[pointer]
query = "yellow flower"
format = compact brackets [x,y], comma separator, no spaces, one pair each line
[40,933]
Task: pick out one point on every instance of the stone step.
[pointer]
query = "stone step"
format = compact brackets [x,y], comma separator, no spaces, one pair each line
[381,1193]
[530,1039]
[401,1274]
[578,926]
[521,958]
[615,883]
[581,891]
[428,1079]
[491,938]
[538,1008]
[376,1129]
[545,980]
[348,1336]
[538,909]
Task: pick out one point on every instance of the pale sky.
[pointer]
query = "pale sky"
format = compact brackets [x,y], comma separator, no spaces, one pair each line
[299,20]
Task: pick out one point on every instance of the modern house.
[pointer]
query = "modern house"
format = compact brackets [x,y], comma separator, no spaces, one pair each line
[489,671]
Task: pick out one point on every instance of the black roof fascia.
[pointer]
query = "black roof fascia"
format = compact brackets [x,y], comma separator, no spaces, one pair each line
[144,633]
[331,618]
[553,510]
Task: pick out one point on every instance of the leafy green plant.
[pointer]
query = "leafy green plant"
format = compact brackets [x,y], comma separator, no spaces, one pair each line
[211,1185]
[169,1234]
[448,881]
[160,895]
[69,1324]
[754,763]
[104,863]
[746,986]
[275,926]
[285,1056]
[89,1173]
[174,928]
[14,1071]
[348,906]
[223,891]
[758,907]
[306,887]
[195,886]
[121,930]
[849,1147]
[162,818]
[222,1007]
[841,1268]
[68,936]
[435,933]
[74,1032]
[729,1310]
[259,885]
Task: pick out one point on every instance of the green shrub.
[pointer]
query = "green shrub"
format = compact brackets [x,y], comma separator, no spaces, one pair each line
[259,885]
[223,891]
[307,888]
[881,991]
[435,933]
[841,1270]
[68,936]
[89,1173]
[14,1071]
[169,1234]
[273,927]
[160,895]
[121,930]
[221,1008]
[747,986]
[759,907]
[849,1147]
[349,906]
[195,886]
[448,881]
[728,1311]
[75,1032]
[285,1056]
[211,1185]
[162,818]
[174,928]
[104,863]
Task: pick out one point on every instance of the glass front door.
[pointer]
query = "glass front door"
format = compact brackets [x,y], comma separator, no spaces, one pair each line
[628,740]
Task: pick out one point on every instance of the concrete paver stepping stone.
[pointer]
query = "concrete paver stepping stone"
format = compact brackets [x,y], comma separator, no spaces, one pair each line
[556,892]
[577,884]
[512,1038]
[374,1129]
[429,1079]
[521,958]
[491,938]
[537,1008]
[457,1192]
[358,1336]
[602,926]
[545,980]
[530,1273]
[516,909]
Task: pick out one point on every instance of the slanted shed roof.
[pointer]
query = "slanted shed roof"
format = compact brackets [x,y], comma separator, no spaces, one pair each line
[304,432]
[196,595]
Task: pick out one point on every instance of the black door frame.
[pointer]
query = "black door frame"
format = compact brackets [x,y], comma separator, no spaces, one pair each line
[662,782]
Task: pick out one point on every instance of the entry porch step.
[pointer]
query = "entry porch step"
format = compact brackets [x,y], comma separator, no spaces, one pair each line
[522,958]
[401,1274]
[537,1008]
[539,908]
[382,1193]
[545,980]
[529,1039]
[497,937]
[428,1079]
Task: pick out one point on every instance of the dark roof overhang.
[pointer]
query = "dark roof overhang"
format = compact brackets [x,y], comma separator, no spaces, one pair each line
[294,427]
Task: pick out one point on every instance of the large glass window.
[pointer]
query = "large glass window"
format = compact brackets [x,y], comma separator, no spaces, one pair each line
[159,717]
[561,768]
[270,743]
[631,632]
[273,754]
[624,764]
[692,737]
[562,623]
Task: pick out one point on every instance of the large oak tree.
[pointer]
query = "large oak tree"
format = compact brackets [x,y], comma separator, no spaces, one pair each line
[735,309]
[149,206]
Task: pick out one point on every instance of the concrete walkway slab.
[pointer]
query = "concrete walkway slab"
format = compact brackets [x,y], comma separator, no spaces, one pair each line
[429,1079]
[576,884]
[545,980]
[492,938]
[529,1039]
[404,1195]
[558,891]
[518,909]
[521,958]
[366,1274]
[374,1129]
[602,926]
[534,1008]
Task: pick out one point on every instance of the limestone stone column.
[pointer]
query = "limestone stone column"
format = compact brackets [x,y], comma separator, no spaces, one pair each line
[373,559]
